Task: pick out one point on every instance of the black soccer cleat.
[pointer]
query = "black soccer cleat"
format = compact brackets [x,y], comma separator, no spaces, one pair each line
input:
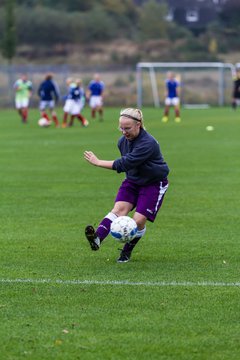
[92,238]
[124,256]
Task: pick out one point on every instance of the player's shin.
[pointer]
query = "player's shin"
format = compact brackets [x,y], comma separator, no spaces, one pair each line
[65,116]
[100,114]
[104,227]
[45,115]
[25,114]
[166,111]
[177,112]
[55,119]
[71,120]
[81,118]
[129,246]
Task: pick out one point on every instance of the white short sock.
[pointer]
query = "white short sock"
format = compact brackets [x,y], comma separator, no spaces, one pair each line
[140,233]
[111,216]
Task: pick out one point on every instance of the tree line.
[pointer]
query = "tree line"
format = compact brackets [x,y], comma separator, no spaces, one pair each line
[50,22]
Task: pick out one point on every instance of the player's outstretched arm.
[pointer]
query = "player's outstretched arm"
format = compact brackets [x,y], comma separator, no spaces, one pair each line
[92,159]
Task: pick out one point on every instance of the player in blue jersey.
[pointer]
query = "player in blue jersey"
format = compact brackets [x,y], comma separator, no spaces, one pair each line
[171,97]
[145,184]
[49,94]
[95,92]
[68,101]
[77,95]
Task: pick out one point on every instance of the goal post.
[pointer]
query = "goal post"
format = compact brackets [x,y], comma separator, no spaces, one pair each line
[201,82]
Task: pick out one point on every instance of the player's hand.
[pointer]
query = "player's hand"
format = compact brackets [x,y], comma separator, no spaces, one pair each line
[91,157]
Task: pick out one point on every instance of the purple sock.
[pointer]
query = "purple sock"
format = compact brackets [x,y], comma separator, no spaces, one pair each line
[131,244]
[103,229]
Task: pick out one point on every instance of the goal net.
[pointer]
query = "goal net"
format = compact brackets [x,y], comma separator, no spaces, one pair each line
[201,84]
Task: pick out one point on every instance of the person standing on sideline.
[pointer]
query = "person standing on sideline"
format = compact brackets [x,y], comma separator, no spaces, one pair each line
[171,97]
[78,101]
[145,184]
[49,94]
[23,92]
[236,90]
[95,92]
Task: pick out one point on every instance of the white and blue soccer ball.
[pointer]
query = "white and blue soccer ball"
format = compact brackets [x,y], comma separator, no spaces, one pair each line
[123,229]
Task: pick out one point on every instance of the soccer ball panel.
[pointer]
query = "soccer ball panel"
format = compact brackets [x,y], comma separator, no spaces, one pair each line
[123,229]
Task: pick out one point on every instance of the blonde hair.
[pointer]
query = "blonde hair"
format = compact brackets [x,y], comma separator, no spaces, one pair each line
[79,82]
[69,80]
[134,114]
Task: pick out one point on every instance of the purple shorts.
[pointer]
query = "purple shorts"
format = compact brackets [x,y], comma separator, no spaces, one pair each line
[146,199]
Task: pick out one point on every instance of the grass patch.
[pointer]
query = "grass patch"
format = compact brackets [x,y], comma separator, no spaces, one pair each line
[49,193]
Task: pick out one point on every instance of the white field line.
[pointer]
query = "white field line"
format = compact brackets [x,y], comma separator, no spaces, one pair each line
[121,283]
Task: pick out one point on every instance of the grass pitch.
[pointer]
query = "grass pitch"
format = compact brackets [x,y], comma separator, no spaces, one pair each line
[178,298]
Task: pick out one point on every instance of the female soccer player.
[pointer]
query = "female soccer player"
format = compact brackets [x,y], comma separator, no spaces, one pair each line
[95,92]
[77,95]
[146,180]
[172,97]
[49,95]
[23,90]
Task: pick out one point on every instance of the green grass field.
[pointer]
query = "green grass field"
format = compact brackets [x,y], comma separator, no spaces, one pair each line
[178,297]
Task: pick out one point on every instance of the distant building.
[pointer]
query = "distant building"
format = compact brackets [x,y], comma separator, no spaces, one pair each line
[194,14]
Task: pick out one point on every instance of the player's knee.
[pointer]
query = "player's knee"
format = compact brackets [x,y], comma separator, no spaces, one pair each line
[140,220]
[121,209]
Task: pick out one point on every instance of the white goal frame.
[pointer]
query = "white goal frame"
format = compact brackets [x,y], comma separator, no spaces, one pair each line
[151,67]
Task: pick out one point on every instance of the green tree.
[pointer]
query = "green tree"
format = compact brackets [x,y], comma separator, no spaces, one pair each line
[124,14]
[71,5]
[152,22]
[41,26]
[120,8]
[98,26]
[8,45]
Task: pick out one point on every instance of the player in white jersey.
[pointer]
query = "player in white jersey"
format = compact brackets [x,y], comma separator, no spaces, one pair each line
[68,101]
[78,101]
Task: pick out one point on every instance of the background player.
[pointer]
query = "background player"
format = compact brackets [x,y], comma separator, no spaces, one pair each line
[95,92]
[236,90]
[77,96]
[171,97]
[23,92]
[49,94]
[68,101]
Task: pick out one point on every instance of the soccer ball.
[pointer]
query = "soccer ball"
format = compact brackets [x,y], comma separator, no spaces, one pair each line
[43,122]
[123,229]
